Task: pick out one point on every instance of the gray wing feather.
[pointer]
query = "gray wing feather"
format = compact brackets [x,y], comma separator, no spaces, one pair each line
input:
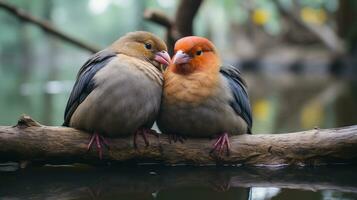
[240,103]
[84,84]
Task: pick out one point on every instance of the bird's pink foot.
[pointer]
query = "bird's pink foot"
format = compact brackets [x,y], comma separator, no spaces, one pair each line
[144,132]
[221,142]
[99,141]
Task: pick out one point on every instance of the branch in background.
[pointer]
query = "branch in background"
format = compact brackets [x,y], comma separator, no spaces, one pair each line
[324,33]
[158,17]
[181,26]
[46,26]
[31,141]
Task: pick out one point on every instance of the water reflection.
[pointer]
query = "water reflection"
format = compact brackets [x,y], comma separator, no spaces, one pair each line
[157,182]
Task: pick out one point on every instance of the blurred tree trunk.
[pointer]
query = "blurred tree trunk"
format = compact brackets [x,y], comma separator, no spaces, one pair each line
[26,65]
[345,106]
[346,22]
[52,70]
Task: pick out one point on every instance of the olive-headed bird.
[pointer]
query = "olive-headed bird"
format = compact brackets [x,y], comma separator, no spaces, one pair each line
[118,90]
[202,98]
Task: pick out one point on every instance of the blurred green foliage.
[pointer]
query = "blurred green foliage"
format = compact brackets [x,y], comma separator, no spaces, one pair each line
[38,70]
[26,65]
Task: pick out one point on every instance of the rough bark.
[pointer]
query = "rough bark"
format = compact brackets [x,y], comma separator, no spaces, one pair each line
[31,141]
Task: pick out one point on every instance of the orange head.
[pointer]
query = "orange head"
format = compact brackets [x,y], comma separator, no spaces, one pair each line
[193,54]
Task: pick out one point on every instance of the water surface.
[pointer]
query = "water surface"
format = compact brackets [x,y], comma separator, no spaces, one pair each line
[158,182]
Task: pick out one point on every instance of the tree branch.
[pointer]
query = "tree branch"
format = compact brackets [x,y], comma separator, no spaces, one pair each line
[46,26]
[323,33]
[158,17]
[29,140]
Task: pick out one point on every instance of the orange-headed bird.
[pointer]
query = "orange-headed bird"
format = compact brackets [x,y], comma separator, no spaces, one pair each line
[202,98]
[118,90]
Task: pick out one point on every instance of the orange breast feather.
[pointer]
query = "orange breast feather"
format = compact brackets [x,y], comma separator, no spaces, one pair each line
[194,88]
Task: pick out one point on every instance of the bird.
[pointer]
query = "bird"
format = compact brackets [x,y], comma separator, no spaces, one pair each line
[118,90]
[203,98]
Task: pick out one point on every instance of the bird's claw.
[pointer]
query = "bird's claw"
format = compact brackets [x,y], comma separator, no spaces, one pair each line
[143,132]
[99,141]
[222,140]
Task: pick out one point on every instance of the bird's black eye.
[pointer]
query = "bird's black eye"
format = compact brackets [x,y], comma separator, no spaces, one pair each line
[148,46]
[199,52]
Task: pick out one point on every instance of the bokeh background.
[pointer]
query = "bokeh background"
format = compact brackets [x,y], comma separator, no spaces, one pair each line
[298,56]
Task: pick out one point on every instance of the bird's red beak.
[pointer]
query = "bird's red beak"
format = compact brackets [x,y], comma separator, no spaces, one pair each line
[181,58]
[163,58]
